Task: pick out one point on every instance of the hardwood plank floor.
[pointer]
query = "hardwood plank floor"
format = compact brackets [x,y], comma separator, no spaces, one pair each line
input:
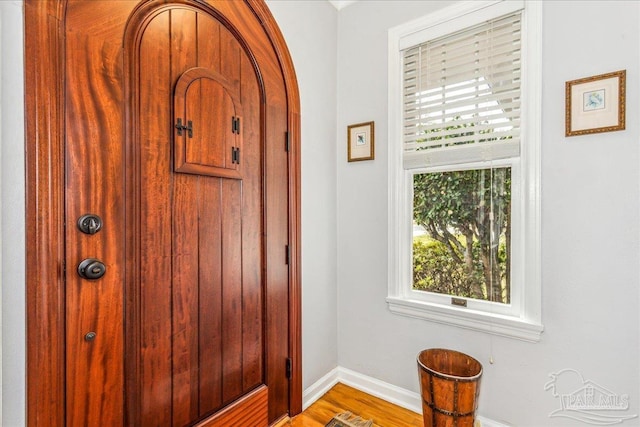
[342,398]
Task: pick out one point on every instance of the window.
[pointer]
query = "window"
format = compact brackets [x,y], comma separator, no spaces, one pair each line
[464,168]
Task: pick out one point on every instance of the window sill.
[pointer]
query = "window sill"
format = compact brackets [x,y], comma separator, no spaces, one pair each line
[495,324]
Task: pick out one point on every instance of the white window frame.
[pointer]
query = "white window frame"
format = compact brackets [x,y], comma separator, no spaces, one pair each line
[522,319]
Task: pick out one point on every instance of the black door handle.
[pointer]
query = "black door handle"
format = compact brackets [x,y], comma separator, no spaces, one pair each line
[91,269]
[89,223]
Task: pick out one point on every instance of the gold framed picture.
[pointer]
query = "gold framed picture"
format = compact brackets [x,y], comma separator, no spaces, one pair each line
[360,142]
[595,104]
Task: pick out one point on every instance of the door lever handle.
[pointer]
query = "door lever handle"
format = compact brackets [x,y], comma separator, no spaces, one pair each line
[89,223]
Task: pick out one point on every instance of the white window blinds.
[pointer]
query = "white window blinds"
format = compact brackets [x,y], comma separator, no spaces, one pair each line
[461,95]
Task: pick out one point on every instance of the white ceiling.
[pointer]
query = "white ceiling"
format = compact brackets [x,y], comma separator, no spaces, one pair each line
[339,4]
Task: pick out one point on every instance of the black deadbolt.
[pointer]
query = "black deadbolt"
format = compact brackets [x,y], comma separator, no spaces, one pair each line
[91,269]
[89,223]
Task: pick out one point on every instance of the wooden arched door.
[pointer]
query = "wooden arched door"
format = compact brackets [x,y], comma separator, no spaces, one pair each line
[174,127]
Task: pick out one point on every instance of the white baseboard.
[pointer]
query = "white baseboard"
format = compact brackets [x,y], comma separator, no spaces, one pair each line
[319,388]
[389,392]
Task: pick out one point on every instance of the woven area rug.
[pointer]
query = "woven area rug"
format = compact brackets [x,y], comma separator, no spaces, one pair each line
[347,419]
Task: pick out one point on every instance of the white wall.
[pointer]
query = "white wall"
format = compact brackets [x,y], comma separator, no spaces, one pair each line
[310,29]
[12,214]
[590,221]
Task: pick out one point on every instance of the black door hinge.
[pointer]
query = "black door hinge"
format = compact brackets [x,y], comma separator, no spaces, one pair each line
[235,155]
[287,142]
[181,127]
[287,254]
[235,125]
[289,368]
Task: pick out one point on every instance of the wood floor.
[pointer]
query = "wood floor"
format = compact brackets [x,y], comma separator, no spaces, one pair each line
[343,398]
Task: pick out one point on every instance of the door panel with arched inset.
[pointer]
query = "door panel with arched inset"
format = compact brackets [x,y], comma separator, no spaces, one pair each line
[207,244]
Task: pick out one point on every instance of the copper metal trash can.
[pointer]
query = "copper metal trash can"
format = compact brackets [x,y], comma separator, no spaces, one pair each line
[449,385]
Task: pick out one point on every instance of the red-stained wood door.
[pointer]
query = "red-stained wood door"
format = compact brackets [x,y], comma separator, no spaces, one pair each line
[197,205]
[176,134]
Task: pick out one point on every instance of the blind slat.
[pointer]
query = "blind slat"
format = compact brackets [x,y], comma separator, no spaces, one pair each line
[411,97]
[435,130]
[477,97]
[461,154]
[508,70]
[461,52]
[419,142]
[461,139]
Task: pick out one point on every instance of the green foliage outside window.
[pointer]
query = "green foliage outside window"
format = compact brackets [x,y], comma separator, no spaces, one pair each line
[466,249]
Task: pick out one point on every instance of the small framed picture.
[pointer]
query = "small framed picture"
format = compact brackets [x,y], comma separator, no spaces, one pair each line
[361,144]
[595,104]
